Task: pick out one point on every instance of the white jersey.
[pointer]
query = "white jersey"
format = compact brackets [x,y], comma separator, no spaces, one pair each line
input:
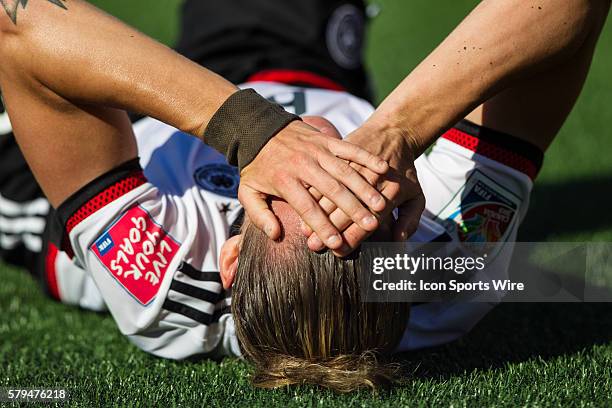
[148,247]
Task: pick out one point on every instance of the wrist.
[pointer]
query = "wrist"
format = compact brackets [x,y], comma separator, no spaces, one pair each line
[406,136]
[243,125]
[205,110]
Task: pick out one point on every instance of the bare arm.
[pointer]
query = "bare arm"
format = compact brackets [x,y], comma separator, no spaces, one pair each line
[69,57]
[497,45]
[92,57]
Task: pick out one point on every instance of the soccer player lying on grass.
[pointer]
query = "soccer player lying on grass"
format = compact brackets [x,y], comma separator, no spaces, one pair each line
[65,82]
[292,320]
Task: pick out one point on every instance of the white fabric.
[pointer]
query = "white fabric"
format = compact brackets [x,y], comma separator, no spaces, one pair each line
[447,175]
[22,223]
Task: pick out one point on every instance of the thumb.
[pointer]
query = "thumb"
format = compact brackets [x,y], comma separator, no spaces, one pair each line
[256,207]
[409,216]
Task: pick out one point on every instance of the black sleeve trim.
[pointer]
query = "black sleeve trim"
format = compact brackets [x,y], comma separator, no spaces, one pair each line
[503,140]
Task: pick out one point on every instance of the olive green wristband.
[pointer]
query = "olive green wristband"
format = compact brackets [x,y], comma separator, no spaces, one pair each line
[244,124]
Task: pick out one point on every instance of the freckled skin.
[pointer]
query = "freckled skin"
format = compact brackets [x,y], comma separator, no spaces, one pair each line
[503,76]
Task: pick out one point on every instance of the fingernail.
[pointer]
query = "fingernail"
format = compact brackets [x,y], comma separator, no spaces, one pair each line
[333,240]
[315,242]
[376,199]
[268,231]
[382,164]
[369,220]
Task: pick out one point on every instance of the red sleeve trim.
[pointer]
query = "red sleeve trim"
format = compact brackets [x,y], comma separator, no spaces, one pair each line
[105,197]
[294,77]
[493,152]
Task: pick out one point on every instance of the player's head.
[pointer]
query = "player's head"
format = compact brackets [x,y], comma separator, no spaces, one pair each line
[299,315]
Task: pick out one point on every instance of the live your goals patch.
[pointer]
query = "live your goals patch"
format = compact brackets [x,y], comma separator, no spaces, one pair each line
[136,251]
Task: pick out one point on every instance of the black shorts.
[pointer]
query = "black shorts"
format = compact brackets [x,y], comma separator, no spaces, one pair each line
[30,233]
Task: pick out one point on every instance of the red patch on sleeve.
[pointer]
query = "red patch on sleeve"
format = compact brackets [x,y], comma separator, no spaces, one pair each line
[136,251]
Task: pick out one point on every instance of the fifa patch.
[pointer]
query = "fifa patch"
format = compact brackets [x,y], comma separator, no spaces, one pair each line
[482,212]
[221,179]
[104,244]
[136,251]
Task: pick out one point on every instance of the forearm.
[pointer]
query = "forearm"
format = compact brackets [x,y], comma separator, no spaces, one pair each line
[87,56]
[499,43]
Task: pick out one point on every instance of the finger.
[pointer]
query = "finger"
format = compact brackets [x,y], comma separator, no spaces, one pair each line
[409,216]
[340,220]
[351,152]
[259,213]
[316,194]
[353,236]
[308,209]
[327,205]
[371,177]
[340,195]
[306,230]
[350,179]
[315,244]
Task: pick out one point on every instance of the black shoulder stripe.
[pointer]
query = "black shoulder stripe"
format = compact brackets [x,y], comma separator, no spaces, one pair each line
[194,274]
[190,312]
[195,292]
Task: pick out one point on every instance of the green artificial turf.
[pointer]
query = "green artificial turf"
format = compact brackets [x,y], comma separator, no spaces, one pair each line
[519,355]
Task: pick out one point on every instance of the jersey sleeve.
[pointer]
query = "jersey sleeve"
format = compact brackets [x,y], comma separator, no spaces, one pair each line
[144,250]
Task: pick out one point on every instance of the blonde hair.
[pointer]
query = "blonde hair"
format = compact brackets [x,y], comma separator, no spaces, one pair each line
[300,318]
